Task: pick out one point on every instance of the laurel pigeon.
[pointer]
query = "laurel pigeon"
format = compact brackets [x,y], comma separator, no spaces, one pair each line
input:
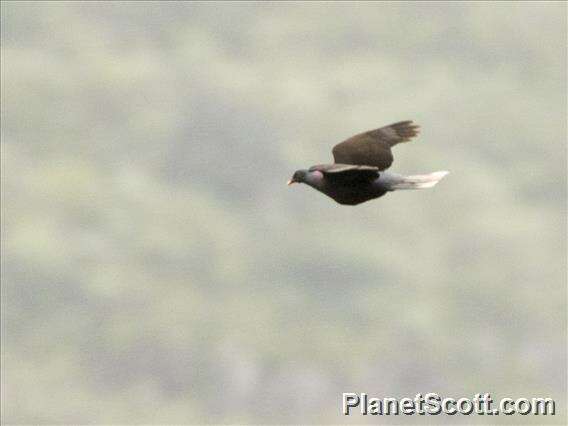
[358,172]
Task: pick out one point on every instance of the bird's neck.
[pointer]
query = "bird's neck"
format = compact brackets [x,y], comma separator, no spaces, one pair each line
[314,179]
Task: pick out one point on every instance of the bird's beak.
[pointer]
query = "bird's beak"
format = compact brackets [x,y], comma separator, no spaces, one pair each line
[290,182]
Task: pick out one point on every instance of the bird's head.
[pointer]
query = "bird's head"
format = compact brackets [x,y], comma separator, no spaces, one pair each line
[299,176]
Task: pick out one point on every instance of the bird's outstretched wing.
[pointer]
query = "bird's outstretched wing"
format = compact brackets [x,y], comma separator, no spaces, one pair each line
[347,172]
[373,148]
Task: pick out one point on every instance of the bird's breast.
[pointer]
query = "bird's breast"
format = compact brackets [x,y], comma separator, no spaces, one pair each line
[352,193]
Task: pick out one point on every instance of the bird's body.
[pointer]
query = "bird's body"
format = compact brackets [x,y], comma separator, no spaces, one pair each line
[344,188]
[352,195]
[358,172]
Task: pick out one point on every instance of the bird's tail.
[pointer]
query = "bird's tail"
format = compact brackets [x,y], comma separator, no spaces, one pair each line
[419,181]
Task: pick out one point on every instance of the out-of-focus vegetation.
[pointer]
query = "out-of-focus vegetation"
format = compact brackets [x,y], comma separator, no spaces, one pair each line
[156,268]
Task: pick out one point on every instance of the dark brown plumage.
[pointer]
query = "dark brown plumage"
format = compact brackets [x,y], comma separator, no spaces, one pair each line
[373,148]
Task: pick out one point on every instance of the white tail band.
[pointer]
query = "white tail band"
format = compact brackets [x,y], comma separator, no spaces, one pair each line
[420,181]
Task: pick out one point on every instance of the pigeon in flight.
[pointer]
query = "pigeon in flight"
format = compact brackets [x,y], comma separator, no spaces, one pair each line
[358,172]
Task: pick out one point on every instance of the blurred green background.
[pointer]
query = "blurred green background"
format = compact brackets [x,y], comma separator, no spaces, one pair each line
[157,269]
